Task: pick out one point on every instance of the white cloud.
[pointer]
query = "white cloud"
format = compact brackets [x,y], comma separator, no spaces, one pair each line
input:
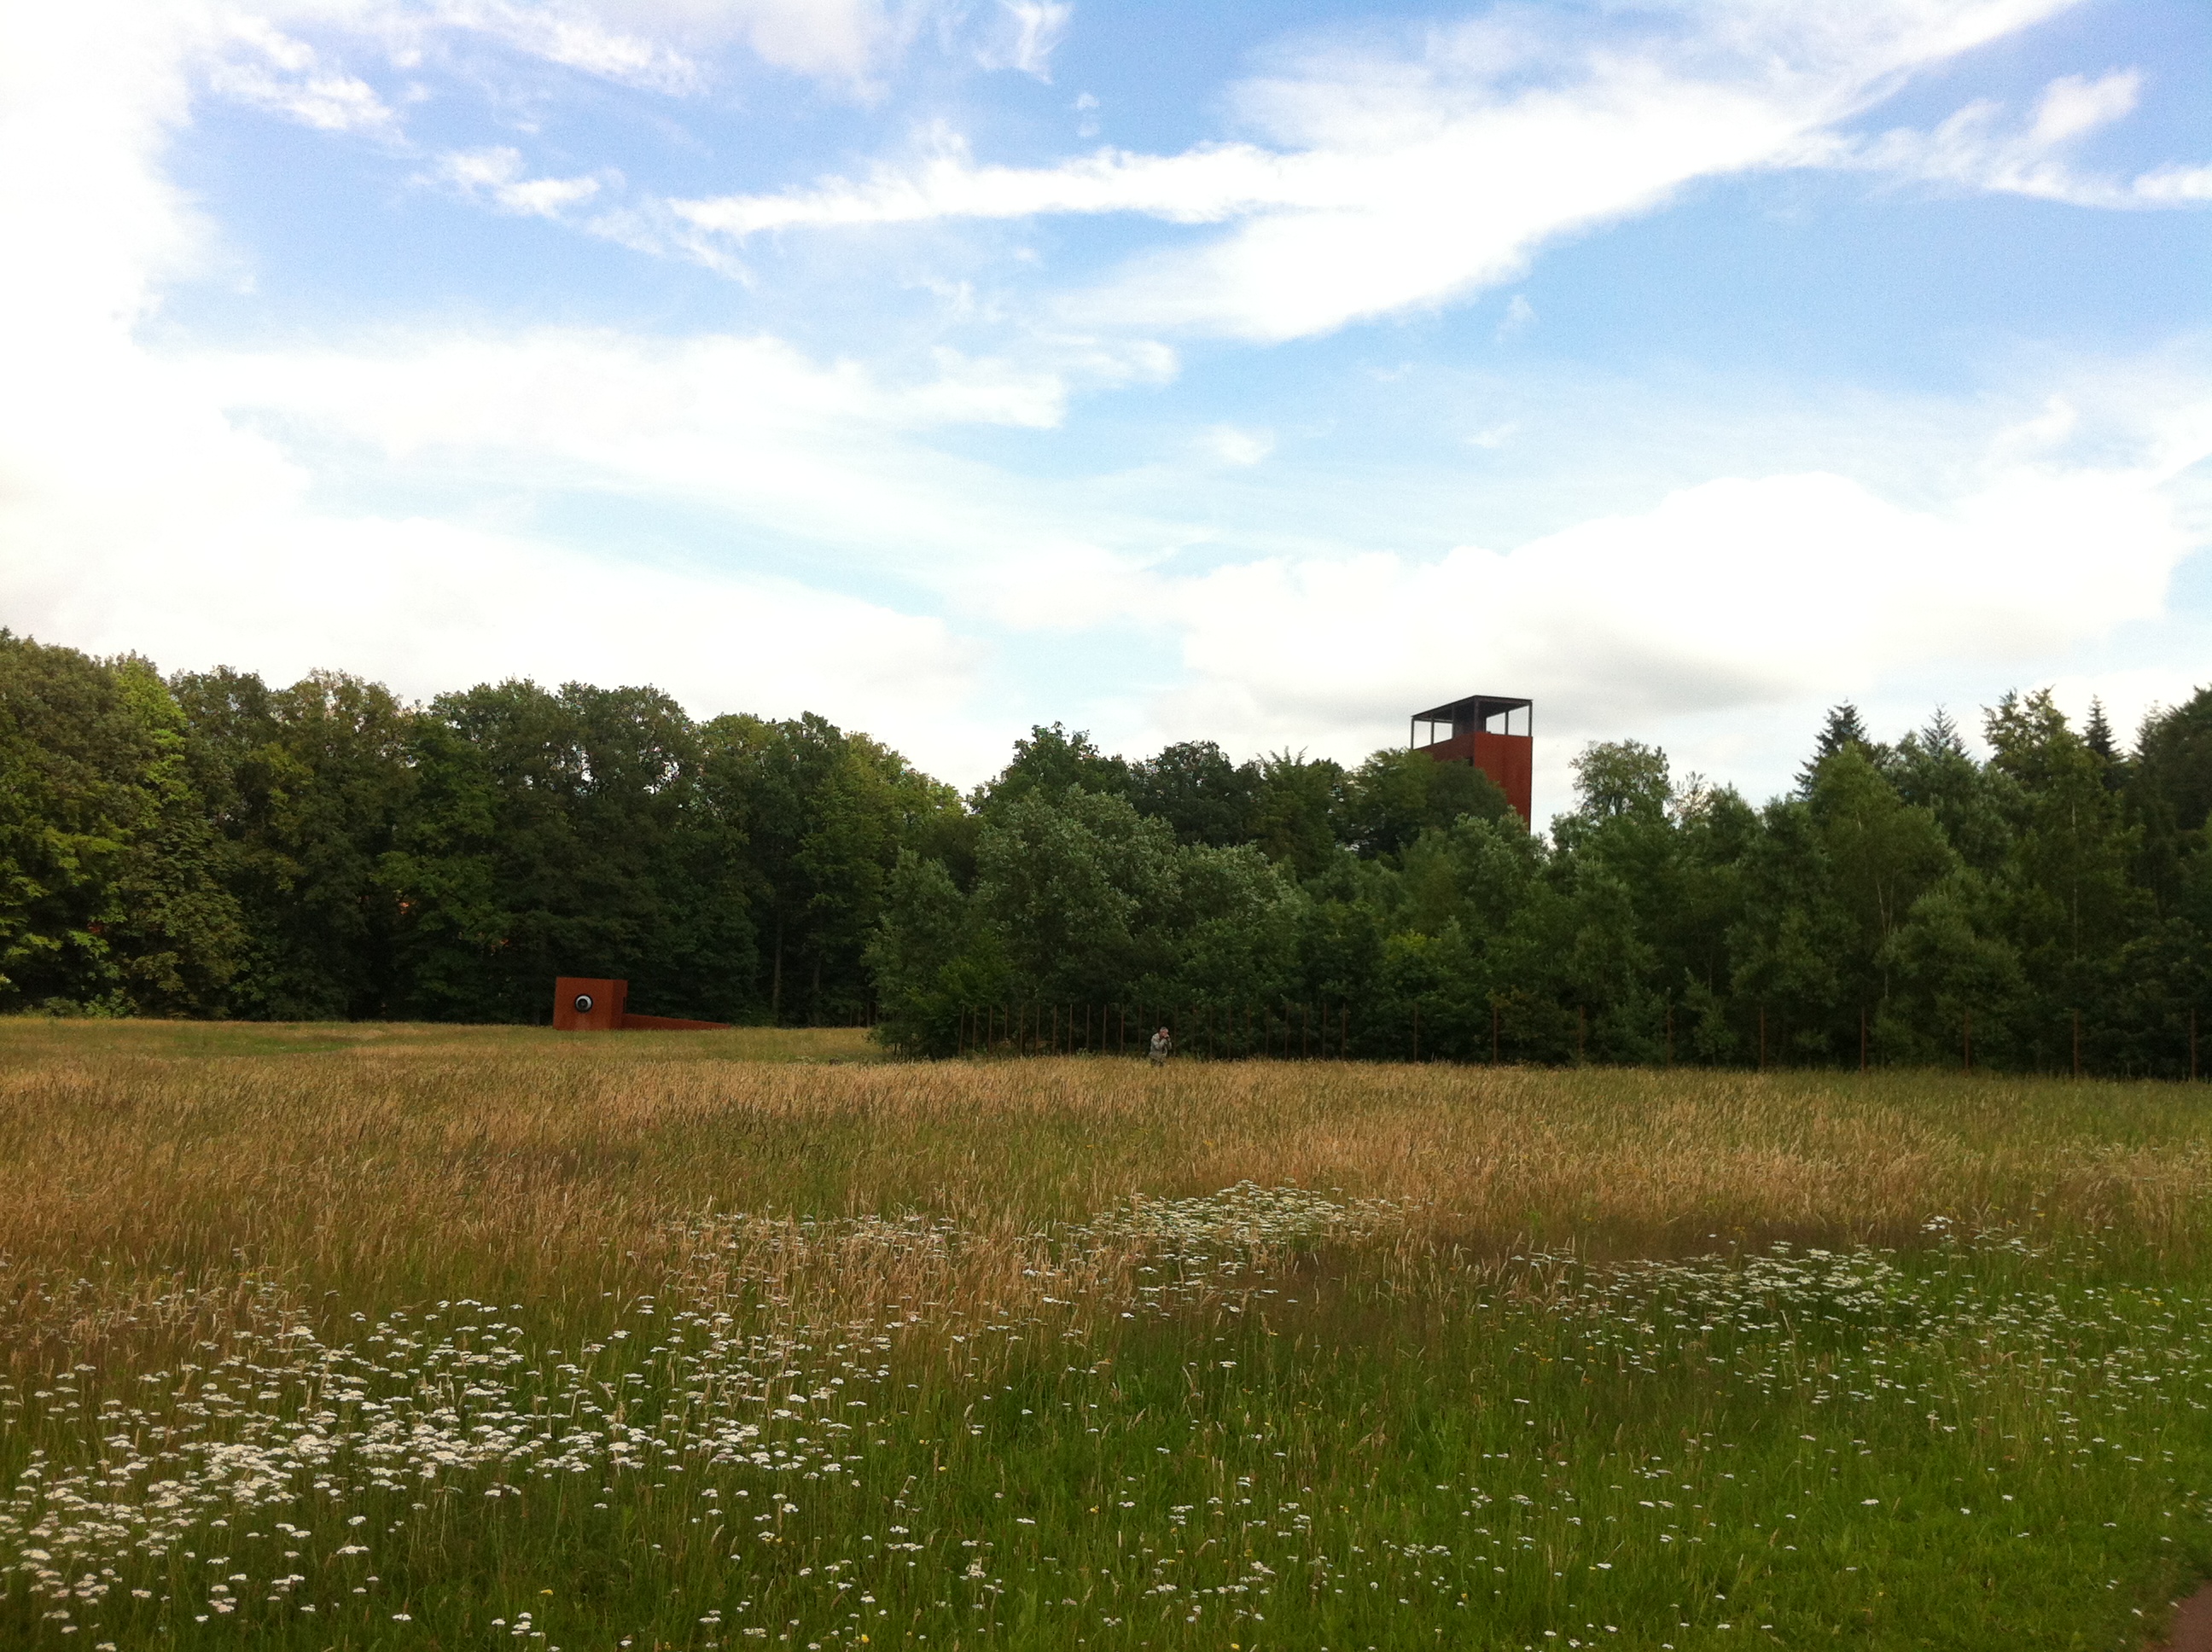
[1976,150]
[666,45]
[1228,444]
[1030,31]
[215,534]
[576,35]
[269,69]
[136,512]
[87,94]
[1728,597]
[831,458]
[2129,695]
[173,503]
[715,411]
[140,517]
[495,176]
[1204,185]
[2172,186]
[1520,315]
[1393,181]
[235,567]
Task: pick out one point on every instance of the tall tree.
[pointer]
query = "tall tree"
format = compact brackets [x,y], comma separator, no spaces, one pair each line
[1396,795]
[1933,769]
[1080,889]
[554,834]
[110,895]
[2074,905]
[1202,795]
[1881,854]
[1294,817]
[1842,730]
[2169,792]
[825,815]
[1052,761]
[308,786]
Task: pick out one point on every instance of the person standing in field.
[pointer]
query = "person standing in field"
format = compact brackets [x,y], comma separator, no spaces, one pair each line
[1163,1047]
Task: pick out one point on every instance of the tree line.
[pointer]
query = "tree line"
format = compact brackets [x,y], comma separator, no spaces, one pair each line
[205,845]
[201,844]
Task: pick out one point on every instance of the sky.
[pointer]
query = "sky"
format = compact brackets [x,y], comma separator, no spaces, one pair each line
[1256,373]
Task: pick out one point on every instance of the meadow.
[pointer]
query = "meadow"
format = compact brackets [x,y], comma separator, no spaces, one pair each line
[360,1337]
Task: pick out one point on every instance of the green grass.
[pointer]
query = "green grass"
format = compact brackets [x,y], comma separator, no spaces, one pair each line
[967,1356]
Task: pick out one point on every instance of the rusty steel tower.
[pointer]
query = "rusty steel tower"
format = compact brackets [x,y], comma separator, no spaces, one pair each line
[1484,736]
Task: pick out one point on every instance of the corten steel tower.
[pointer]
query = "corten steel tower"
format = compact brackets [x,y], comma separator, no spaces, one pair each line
[1484,736]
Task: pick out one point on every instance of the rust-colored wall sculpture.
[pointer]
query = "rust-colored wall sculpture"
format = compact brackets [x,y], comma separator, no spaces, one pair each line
[1484,736]
[583,1004]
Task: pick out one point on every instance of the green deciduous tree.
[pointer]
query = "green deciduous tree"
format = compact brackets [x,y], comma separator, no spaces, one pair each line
[1396,795]
[555,833]
[307,787]
[111,894]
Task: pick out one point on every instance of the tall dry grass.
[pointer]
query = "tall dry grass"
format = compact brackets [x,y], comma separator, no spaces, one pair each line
[390,1164]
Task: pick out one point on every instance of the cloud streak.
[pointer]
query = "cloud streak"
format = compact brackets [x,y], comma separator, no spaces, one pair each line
[1975,149]
[495,176]
[1029,32]
[1380,182]
[268,70]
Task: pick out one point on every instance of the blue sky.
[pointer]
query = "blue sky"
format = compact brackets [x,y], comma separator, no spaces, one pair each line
[1261,373]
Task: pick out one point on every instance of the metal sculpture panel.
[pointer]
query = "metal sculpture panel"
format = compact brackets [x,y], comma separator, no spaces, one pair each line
[585,1004]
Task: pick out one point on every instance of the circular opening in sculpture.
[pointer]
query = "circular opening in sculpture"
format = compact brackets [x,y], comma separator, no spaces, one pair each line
[583,1004]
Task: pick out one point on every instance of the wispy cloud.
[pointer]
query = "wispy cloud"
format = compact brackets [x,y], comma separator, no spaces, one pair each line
[1028,32]
[261,65]
[1394,180]
[667,47]
[1203,186]
[1229,444]
[496,177]
[578,35]
[1978,148]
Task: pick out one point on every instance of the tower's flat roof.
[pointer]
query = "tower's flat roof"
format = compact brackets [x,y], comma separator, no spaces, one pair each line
[1484,706]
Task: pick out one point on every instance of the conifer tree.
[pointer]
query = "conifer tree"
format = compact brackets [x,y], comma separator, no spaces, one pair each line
[1843,728]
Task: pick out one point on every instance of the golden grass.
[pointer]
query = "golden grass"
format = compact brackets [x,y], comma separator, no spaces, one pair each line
[387,1162]
[44,1038]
